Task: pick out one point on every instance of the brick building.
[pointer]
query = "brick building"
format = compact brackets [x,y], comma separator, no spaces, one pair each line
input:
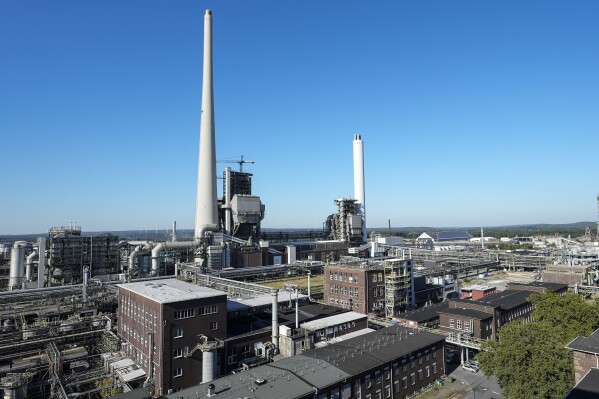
[394,362]
[586,354]
[476,292]
[161,322]
[370,286]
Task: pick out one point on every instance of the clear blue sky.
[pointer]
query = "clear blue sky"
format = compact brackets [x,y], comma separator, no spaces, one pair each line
[473,113]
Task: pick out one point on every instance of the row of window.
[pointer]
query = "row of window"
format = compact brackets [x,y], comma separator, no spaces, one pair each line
[406,381]
[178,333]
[349,277]
[185,313]
[202,310]
[343,303]
[343,290]
[468,325]
[137,311]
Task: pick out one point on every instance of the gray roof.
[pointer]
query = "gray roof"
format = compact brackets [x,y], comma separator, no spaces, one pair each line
[300,375]
[475,314]
[588,344]
[363,353]
[587,388]
[505,299]
[333,320]
[260,300]
[170,290]
[424,314]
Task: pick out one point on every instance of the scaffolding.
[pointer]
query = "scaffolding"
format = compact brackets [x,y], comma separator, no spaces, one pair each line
[398,277]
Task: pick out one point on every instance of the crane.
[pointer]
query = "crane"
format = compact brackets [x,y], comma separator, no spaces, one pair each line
[240,162]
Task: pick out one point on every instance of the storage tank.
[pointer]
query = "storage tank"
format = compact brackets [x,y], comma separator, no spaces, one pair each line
[17,261]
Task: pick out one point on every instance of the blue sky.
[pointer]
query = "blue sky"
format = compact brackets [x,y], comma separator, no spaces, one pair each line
[473,113]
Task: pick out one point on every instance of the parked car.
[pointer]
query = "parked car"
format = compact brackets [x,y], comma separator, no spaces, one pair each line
[470,367]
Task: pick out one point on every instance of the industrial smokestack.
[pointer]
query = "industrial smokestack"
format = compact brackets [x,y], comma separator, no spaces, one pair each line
[359,192]
[206,208]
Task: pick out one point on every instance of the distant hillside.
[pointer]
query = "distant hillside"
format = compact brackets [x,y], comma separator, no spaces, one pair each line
[572,229]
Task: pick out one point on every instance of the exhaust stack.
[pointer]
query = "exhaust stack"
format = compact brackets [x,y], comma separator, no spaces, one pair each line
[359,192]
[206,200]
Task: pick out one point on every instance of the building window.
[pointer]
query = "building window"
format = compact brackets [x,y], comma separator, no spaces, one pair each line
[387,373]
[412,378]
[210,309]
[377,394]
[404,382]
[412,362]
[404,365]
[428,371]
[231,356]
[213,325]
[459,324]
[434,368]
[367,381]
[451,325]
[178,332]
[434,353]
[178,372]
[420,375]
[245,351]
[357,389]
[178,353]
[388,391]
[396,386]
[184,314]
[419,358]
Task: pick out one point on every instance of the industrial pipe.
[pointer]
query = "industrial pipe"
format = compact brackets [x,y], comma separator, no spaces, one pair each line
[275,317]
[166,245]
[29,264]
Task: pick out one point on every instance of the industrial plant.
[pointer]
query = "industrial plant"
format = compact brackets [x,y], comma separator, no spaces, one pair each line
[98,315]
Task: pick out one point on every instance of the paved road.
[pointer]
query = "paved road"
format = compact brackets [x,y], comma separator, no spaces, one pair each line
[474,385]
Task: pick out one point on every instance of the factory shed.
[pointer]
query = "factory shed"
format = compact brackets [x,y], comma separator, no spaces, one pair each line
[393,362]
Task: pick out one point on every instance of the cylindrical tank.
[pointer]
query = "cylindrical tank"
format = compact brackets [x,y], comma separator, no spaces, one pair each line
[208,365]
[17,260]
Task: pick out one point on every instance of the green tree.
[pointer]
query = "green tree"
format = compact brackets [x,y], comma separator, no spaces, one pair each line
[530,360]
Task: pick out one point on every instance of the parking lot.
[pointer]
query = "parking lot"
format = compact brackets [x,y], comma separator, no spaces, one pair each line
[466,384]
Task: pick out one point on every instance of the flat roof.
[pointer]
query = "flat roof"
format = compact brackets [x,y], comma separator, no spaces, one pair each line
[343,337]
[478,287]
[475,314]
[332,320]
[505,299]
[170,290]
[588,344]
[424,314]
[260,300]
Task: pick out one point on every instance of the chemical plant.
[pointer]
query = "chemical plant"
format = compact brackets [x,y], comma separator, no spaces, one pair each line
[99,315]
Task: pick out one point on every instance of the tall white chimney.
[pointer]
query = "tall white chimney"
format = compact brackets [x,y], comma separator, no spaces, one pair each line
[206,203]
[359,192]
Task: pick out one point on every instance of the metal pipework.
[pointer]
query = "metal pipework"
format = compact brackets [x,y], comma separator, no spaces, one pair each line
[206,200]
[166,245]
[29,264]
[275,317]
